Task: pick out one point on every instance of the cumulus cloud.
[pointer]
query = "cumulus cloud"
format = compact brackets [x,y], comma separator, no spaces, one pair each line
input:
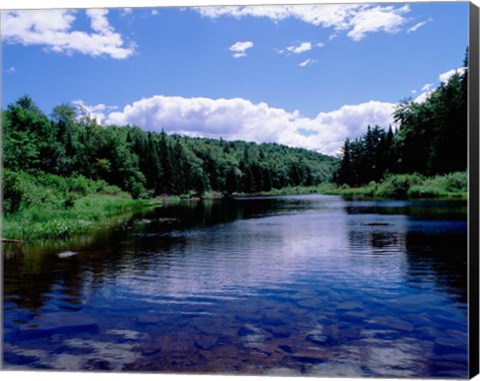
[241,119]
[240,48]
[126,11]
[97,112]
[422,97]
[429,88]
[445,77]
[303,47]
[357,20]
[375,19]
[52,29]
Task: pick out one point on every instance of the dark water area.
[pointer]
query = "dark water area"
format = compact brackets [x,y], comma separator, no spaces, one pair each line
[298,285]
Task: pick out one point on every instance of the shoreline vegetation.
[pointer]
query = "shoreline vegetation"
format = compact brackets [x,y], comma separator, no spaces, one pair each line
[65,174]
[45,206]
[453,186]
[58,207]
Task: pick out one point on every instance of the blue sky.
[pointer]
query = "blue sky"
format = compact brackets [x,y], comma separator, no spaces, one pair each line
[307,75]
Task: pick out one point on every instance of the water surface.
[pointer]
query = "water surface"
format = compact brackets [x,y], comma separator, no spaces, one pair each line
[314,285]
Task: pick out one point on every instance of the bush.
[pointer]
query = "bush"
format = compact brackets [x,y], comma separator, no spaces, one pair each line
[22,190]
[418,191]
[456,182]
[397,186]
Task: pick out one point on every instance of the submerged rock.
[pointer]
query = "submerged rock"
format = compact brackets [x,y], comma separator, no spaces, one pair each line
[147,318]
[317,338]
[59,323]
[311,303]
[206,342]
[391,322]
[279,332]
[309,357]
[273,320]
[350,305]
[244,331]
[286,348]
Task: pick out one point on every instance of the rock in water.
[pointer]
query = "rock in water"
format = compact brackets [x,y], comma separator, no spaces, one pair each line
[147,318]
[206,342]
[66,254]
[58,322]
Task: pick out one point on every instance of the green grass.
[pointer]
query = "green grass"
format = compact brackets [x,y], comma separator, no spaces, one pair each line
[402,186]
[87,214]
[45,206]
[411,186]
[301,189]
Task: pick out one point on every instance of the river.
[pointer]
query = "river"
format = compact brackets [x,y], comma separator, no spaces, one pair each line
[296,285]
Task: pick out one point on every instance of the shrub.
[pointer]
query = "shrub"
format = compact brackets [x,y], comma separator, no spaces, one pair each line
[397,186]
[456,182]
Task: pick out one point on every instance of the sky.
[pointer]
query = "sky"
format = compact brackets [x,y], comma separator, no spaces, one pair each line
[303,75]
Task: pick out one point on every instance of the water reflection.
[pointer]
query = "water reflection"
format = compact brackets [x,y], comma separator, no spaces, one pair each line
[312,285]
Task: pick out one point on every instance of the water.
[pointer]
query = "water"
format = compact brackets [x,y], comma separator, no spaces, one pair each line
[313,285]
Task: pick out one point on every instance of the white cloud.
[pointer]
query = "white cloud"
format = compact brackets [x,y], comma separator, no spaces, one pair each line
[445,77]
[240,48]
[241,119]
[319,44]
[154,12]
[427,87]
[417,26]
[413,91]
[357,20]
[10,70]
[303,47]
[422,97]
[97,112]
[378,18]
[306,62]
[53,30]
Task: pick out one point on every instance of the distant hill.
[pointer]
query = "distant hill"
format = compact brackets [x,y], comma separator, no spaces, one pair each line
[147,164]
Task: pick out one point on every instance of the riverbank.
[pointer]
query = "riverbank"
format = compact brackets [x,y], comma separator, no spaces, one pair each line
[405,186]
[45,206]
[87,214]
[53,207]
[411,186]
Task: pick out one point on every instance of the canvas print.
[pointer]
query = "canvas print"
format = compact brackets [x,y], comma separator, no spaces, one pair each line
[255,190]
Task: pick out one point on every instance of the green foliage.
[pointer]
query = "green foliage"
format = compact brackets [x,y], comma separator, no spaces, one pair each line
[397,186]
[410,186]
[431,140]
[22,190]
[145,164]
[86,214]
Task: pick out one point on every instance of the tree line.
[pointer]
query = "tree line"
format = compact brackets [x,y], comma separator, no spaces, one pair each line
[431,138]
[147,164]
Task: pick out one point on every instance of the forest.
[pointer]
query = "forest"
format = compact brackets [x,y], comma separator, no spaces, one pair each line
[147,164]
[52,162]
[431,139]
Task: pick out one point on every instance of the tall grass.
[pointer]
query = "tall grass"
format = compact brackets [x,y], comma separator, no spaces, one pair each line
[48,206]
[412,186]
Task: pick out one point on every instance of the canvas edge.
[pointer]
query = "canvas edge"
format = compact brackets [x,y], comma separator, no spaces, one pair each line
[473,191]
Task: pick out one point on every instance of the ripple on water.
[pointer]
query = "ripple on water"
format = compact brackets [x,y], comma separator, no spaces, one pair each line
[310,285]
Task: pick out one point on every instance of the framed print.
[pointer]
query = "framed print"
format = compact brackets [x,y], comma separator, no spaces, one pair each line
[259,189]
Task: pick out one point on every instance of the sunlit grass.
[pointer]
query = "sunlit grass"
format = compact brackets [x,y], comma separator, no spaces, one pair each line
[412,186]
[88,213]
